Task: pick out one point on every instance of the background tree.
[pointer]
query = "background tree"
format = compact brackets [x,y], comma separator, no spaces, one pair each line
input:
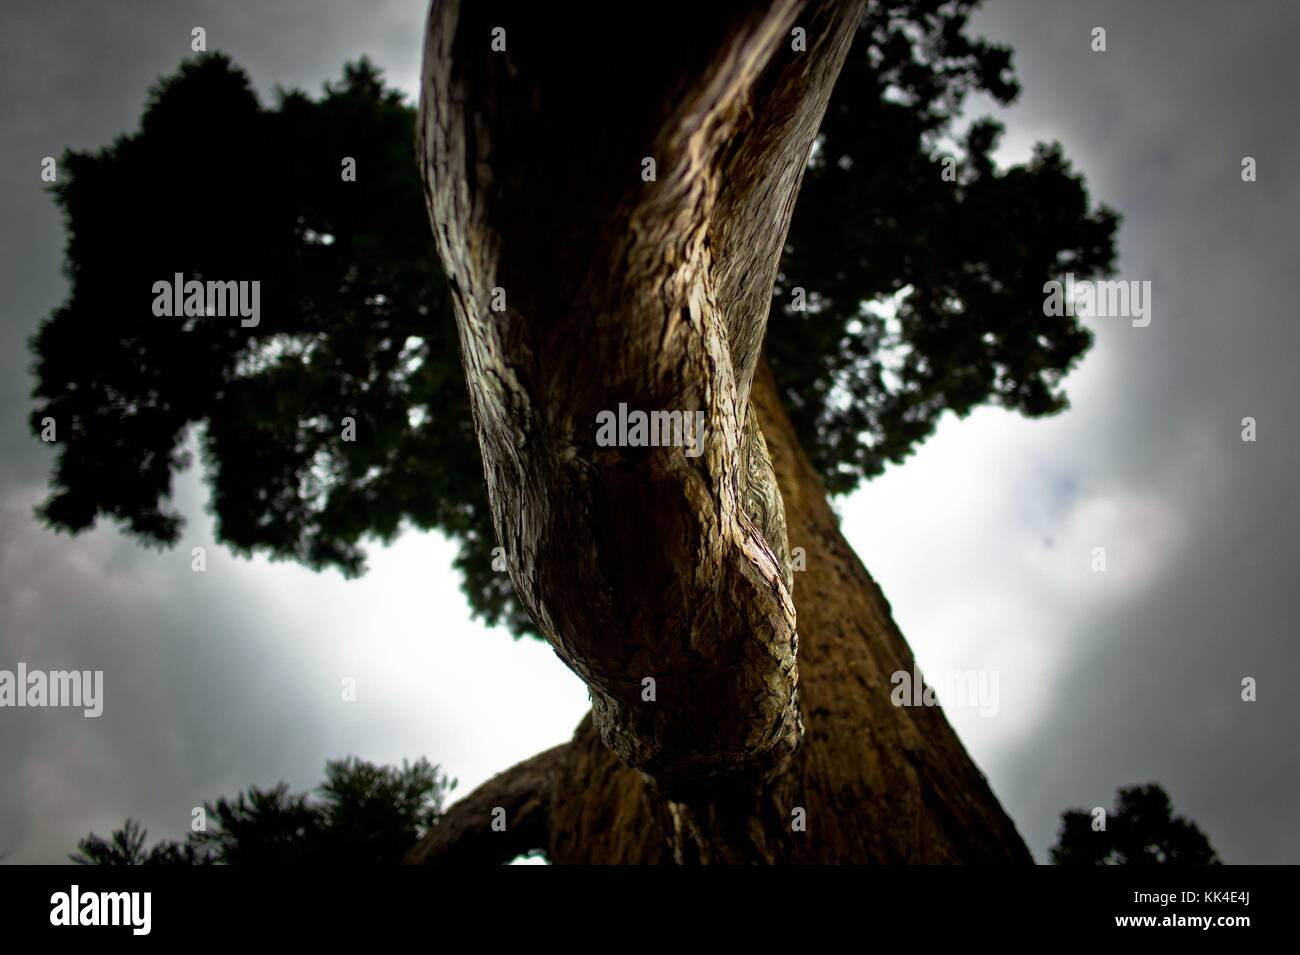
[924,295]
[362,814]
[1141,830]
[126,846]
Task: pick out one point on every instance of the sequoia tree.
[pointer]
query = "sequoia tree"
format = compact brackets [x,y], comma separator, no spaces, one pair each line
[613,204]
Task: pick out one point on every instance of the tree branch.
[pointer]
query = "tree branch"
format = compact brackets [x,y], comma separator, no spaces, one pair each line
[464,834]
[636,562]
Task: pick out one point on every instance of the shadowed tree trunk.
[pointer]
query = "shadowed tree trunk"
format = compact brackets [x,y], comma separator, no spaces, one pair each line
[610,202]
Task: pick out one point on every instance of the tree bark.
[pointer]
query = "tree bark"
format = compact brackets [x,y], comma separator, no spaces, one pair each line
[612,243]
[877,783]
[579,285]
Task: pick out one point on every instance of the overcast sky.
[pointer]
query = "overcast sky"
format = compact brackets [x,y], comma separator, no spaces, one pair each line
[982,542]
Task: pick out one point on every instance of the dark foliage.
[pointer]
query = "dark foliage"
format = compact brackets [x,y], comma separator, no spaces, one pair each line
[362,815]
[355,320]
[1142,830]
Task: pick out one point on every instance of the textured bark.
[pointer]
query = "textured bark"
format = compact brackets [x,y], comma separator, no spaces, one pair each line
[646,562]
[636,563]
[878,783]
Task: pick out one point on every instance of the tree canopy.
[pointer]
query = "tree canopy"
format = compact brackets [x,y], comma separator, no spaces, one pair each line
[355,320]
[1140,830]
[362,814]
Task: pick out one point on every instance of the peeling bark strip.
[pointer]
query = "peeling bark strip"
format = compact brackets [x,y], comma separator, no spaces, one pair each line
[634,562]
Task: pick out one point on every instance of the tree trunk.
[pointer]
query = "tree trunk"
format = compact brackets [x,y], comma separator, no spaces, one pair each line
[580,284]
[877,783]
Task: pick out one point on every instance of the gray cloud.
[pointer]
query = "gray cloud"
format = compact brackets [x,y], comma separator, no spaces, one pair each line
[1149,688]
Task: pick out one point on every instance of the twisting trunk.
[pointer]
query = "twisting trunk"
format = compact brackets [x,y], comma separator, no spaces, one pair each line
[581,284]
[877,783]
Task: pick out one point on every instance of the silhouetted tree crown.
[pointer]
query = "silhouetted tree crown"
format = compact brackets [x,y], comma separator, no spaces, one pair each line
[923,295]
[362,814]
[126,846]
[1141,830]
